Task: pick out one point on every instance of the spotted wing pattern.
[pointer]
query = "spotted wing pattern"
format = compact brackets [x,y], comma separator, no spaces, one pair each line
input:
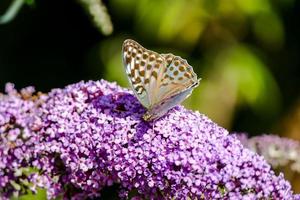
[145,70]
[160,81]
[178,77]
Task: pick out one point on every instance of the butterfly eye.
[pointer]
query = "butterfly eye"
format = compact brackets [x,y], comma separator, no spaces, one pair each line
[147,116]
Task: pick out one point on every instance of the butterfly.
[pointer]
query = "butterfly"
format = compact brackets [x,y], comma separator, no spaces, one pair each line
[159,81]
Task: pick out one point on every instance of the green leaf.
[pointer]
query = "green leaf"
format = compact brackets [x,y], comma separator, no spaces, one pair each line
[30,2]
[40,195]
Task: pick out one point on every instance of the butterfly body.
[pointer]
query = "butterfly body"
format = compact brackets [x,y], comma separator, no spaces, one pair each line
[160,81]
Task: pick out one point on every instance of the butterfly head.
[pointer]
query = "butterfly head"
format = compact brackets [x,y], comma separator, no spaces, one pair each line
[152,114]
[148,116]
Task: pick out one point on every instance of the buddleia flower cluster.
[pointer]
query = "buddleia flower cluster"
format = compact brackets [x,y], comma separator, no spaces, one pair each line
[278,151]
[89,137]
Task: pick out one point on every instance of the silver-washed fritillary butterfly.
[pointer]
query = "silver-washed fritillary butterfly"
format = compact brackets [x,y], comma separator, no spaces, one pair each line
[160,81]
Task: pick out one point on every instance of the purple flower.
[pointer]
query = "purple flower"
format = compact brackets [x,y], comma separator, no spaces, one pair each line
[18,122]
[90,136]
[278,151]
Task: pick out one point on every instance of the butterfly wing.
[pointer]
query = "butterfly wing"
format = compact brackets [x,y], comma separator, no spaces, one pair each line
[162,107]
[160,81]
[179,76]
[177,84]
[145,70]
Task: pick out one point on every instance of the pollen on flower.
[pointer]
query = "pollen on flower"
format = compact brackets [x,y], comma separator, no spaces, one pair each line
[88,136]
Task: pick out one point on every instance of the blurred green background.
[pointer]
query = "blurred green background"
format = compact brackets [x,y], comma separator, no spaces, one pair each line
[245,51]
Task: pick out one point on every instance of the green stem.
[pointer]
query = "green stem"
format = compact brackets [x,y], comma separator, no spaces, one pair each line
[11,12]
